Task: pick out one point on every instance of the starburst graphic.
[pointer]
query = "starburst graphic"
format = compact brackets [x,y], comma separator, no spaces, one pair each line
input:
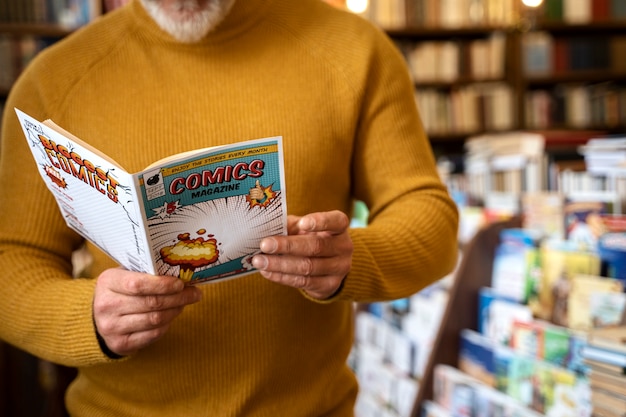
[55,177]
[268,196]
[167,209]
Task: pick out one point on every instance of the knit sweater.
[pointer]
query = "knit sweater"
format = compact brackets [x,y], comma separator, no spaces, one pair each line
[337,91]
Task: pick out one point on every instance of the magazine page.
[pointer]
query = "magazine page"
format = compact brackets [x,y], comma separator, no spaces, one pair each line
[96,197]
[207,212]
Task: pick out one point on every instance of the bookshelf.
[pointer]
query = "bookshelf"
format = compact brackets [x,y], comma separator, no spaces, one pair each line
[29,26]
[19,43]
[579,81]
[461,311]
[555,67]
[29,386]
[463,80]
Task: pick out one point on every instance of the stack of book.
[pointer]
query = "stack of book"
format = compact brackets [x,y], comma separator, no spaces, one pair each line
[605,356]
[509,163]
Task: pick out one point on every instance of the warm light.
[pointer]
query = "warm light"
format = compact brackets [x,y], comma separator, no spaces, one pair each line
[357,6]
[532,3]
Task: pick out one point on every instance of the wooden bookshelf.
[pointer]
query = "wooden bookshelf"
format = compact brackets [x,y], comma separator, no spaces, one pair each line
[35,29]
[523,85]
[27,26]
[461,311]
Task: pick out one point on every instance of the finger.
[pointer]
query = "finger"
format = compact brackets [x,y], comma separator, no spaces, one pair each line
[127,344]
[303,245]
[331,221]
[122,281]
[151,303]
[140,322]
[292,224]
[320,287]
[146,284]
[122,304]
[302,266]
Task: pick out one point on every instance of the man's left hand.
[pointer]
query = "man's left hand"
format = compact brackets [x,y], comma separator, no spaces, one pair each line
[315,256]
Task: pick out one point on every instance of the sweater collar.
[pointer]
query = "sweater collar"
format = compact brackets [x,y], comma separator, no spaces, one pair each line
[243,15]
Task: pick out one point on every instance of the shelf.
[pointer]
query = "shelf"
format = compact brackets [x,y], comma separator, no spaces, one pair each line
[35,29]
[573,130]
[461,312]
[451,137]
[609,27]
[587,76]
[458,82]
[432,33]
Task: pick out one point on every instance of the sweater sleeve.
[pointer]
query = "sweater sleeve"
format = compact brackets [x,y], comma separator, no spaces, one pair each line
[35,253]
[411,239]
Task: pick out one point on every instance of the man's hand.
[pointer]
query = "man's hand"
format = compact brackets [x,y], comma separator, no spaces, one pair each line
[315,256]
[132,310]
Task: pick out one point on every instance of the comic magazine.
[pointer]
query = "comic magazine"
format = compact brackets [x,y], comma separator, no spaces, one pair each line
[198,215]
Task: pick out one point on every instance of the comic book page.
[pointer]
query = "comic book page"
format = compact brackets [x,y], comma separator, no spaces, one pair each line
[207,213]
[96,197]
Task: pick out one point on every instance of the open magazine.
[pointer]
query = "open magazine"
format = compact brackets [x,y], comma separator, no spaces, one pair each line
[198,215]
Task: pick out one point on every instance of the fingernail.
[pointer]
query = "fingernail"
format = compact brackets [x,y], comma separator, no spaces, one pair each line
[259,262]
[269,245]
[307,223]
[179,285]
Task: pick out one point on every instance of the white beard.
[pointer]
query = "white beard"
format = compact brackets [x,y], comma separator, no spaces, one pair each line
[186,20]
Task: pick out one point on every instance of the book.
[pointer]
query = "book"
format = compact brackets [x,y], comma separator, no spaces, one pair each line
[542,340]
[612,251]
[515,373]
[497,313]
[198,215]
[537,48]
[476,356]
[560,261]
[614,404]
[612,383]
[463,395]
[453,390]
[611,338]
[603,355]
[603,410]
[582,286]
[594,365]
[515,264]
[553,10]
[543,212]
[583,221]
[607,309]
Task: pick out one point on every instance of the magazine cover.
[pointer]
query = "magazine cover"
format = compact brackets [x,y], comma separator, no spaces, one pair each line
[206,215]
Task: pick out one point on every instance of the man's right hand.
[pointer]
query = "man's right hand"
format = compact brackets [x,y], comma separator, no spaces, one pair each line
[132,310]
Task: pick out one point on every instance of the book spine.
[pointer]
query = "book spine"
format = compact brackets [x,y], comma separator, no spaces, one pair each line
[604,355]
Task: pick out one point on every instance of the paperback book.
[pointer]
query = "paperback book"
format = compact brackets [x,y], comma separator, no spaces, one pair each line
[198,215]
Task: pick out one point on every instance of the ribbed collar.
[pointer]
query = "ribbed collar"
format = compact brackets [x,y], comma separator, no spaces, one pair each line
[243,15]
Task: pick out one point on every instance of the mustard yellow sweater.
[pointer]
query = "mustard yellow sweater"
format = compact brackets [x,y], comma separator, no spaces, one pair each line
[337,91]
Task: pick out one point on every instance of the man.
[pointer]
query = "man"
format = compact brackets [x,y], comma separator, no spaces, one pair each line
[158,77]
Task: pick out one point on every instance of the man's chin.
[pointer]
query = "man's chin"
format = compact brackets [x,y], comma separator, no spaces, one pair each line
[187,23]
